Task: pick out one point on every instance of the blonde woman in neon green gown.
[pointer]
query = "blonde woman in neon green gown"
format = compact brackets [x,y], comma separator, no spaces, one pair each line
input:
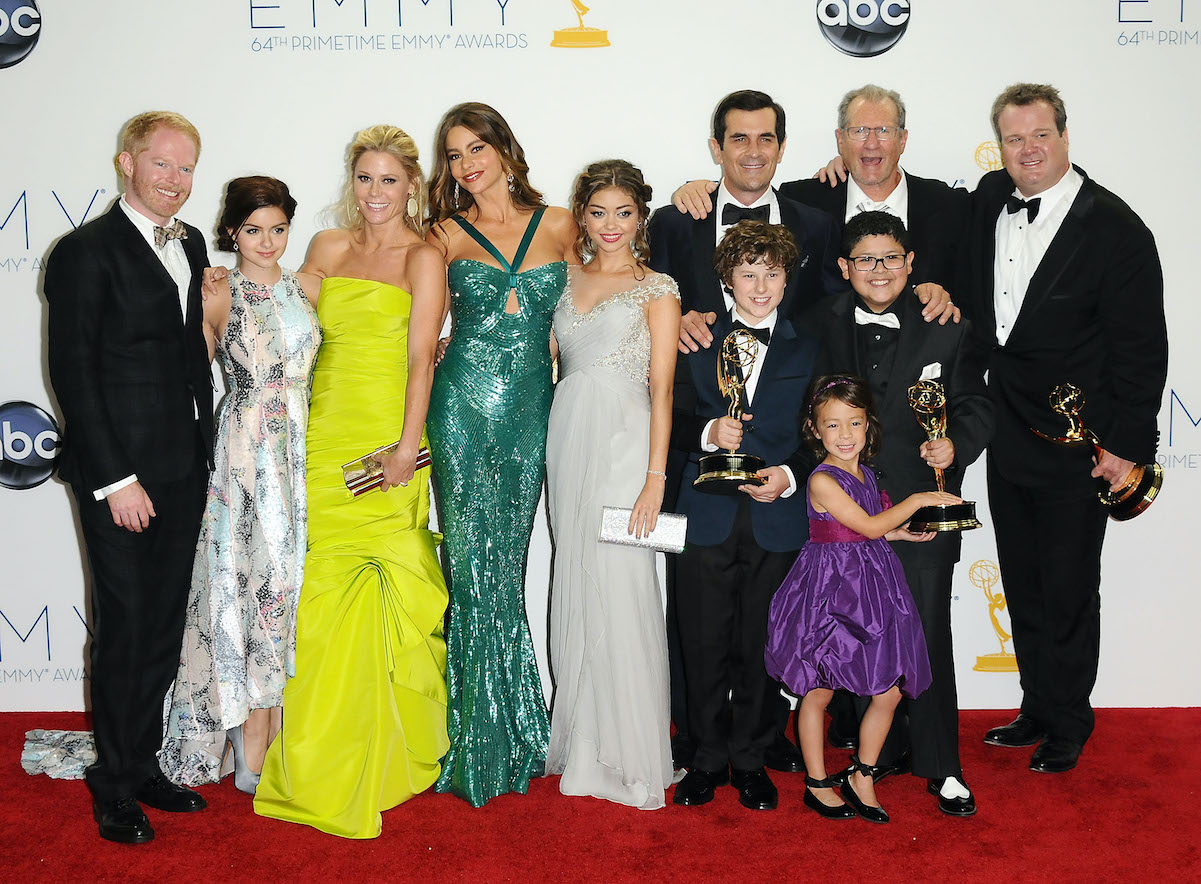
[364,722]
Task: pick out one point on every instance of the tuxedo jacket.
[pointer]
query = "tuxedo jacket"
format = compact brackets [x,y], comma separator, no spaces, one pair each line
[938,216]
[130,373]
[683,248]
[899,468]
[1093,316]
[774,434]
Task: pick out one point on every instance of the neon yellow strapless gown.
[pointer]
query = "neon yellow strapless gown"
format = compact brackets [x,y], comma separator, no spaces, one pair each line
[365,715]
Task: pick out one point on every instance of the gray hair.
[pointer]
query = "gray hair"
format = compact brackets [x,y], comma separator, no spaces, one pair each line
[872,93]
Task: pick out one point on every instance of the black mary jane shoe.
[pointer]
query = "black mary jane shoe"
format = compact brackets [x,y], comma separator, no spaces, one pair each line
[826,811]
[952,806]
[873,814]
[902,765]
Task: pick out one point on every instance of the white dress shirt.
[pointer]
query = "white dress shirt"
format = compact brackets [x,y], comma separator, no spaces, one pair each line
[175,261]
[1021,245]
[896,203]
[752,383]
[723,197]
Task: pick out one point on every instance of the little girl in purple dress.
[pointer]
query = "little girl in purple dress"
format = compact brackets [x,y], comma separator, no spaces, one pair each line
[844,618]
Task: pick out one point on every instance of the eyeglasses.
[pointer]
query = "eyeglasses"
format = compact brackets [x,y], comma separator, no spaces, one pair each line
[883,133]
[868,263]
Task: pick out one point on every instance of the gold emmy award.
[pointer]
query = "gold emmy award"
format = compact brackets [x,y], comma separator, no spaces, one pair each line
[929,403]
[580,37]
[1141,484]
[985,575]
[723,473]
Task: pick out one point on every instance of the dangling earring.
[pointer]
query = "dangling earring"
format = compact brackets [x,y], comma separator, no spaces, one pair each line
[456,194]
[411,206]
[235,247]
[511,187]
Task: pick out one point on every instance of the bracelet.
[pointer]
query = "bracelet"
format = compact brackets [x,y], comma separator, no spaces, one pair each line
[658,473]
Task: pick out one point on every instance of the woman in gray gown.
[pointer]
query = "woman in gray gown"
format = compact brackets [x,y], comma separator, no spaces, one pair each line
[617,325]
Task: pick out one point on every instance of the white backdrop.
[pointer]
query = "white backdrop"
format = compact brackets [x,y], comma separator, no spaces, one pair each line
[279,86]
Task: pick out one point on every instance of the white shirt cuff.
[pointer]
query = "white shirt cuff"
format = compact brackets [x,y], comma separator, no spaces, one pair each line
[791,481]
[705,444]
[104,492]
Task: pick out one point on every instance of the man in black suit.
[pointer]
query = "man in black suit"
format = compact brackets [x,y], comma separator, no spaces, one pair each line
[876,332]
[740,547]
[748,141]
[130,369]
[1065,286]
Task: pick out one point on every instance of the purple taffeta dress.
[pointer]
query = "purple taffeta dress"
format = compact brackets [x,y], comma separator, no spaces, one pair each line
[844,617]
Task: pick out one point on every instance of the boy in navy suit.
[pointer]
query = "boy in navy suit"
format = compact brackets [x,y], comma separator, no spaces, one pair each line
[740,547]
[876,332]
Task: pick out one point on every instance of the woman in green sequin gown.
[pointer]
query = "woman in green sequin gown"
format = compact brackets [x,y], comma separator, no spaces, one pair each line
[487,427]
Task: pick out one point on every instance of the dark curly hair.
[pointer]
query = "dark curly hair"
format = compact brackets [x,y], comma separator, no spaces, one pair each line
[852,391]
[750,242]
[245,196]
[599,176]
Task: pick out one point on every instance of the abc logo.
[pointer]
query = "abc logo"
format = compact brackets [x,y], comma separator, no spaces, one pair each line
[863,28]
[29,443]
[20,25]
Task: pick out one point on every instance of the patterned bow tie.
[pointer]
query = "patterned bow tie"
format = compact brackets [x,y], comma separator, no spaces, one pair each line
[1014,204]
[763,335]
[732,214]
[866,317]
[174,230]
[872,206]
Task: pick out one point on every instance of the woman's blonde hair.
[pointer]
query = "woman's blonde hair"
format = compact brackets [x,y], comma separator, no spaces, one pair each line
[396,143]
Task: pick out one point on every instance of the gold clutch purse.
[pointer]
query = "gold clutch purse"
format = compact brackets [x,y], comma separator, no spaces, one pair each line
[366,473]
[668,536]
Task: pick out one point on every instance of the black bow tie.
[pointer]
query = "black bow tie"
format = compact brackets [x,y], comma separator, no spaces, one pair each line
[1014,204]
[762,335]
[732,214]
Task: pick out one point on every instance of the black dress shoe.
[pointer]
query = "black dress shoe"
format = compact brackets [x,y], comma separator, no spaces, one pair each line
[826,811]
[953,806]
[122,821]
[839,740]
[870,812]
[698,786]
[1054,755]
[683,750]
[1022,731]
[162,794]
[755,789]
[783,756]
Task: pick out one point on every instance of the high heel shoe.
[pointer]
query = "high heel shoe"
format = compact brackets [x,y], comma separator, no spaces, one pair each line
[871,813]
[826,811]
[244,778]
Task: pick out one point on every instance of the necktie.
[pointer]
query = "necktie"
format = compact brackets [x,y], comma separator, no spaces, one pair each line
[866,317]
[762,335]
[174,230]
[732,214]
[1015,204]
[873,206]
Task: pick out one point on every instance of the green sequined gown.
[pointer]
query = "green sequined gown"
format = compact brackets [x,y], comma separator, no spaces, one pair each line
[487,429]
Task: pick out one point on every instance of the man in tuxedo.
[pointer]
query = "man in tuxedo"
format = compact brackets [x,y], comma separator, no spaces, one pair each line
[1065,286]
[130,369]
[740,547]
[876,332]
[748,140]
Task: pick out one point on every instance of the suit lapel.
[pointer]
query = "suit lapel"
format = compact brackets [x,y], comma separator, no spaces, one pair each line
[841,342]
[139,252]
[708,286]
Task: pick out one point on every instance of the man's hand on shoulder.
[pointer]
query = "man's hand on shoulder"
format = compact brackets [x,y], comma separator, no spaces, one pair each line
[938,304]
[693,198]
[212,276]
[694,331]
[131,507]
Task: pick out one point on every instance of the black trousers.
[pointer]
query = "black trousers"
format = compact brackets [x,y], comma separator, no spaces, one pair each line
[1049,548]
[140,586]
[723,594]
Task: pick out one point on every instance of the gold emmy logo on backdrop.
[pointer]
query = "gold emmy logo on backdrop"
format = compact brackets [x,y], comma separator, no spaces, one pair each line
[986,575]
[988,156]
[580,37]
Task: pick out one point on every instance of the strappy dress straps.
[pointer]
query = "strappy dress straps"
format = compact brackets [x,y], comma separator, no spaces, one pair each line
[514,268]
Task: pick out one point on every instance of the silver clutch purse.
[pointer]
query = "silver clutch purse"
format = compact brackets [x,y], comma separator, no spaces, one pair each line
[667,537]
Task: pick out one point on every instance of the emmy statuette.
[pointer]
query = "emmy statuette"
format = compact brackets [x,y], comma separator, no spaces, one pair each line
[928,400]
[722,473]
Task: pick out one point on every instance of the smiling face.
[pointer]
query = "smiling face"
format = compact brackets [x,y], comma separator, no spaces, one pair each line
[749,153]
[381,187]
[474,163]
[1035,153]
[261,241]
[611,220]
[881,286]
[758,289]
[843,431]
[158,180]
[872,163]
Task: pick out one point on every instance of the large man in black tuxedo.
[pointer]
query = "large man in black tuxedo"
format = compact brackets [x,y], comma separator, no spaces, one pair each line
[748,141]
[877,333]
[130,369]
[1065,286]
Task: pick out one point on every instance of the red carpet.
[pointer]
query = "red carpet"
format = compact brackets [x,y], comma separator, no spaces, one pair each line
[1128,812]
